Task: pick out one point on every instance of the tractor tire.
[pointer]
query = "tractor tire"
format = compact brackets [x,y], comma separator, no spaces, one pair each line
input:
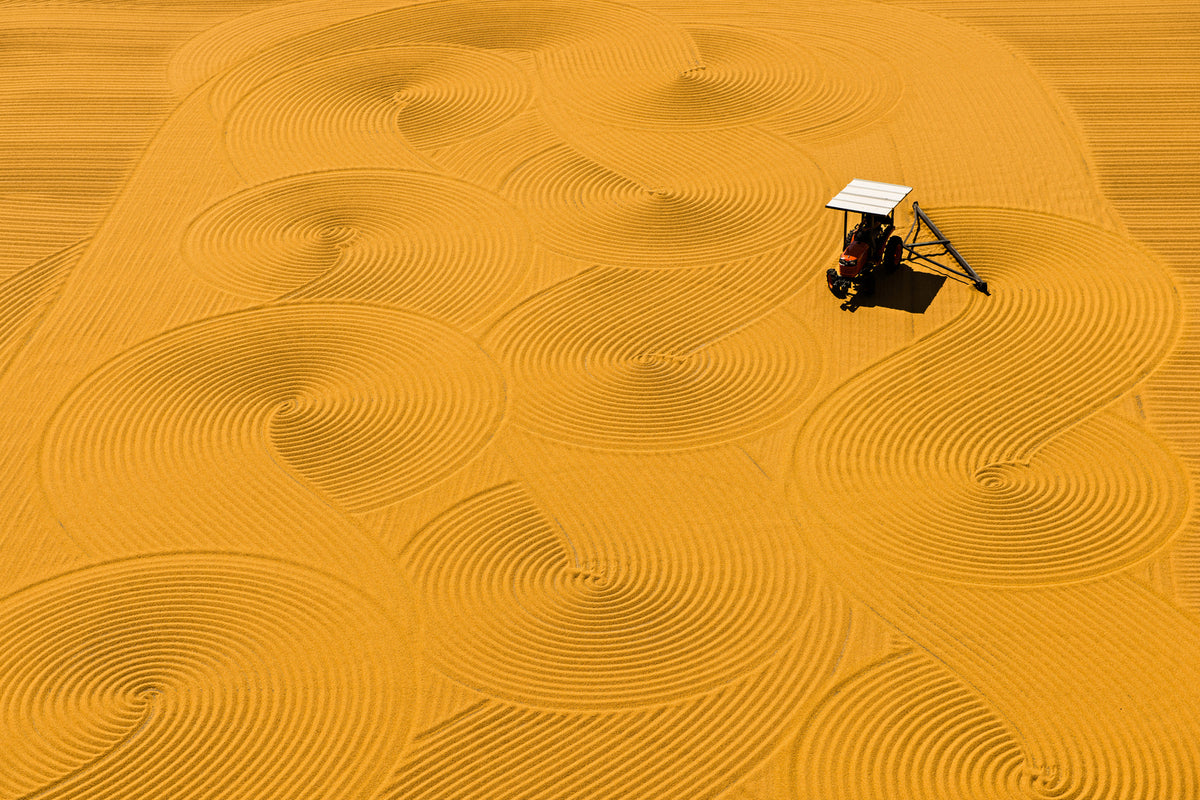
[892,254]
[837,284]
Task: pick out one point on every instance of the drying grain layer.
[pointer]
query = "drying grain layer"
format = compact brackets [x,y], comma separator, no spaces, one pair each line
[443,400]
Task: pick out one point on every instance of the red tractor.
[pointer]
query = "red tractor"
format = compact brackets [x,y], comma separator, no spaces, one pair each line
[870,245]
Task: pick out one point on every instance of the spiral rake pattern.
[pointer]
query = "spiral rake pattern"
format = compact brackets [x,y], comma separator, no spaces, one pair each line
[612,607]
[978,512]
[1098,498]
[664,207]
[533,26]
[1007,704]
[525,612]
[1000,505]
[408,239]
[692,747]
[850,88]
[733,77]
[373,108]
[650,361]
[356,400]
[187,674]
[905,728]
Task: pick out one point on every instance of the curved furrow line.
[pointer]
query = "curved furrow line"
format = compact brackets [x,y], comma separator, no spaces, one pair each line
[907,728]
[685,748]
[222,46]
[200,674]
[25,295]
[487,160]
[655,203]
[858,88]
[969,490]
[659,360]
[380,107]
[364,404]
[604,620]
[408,239]
[1092,501]
[971,415]
[735,77]
[535,26]
[1094,679]
[816,72]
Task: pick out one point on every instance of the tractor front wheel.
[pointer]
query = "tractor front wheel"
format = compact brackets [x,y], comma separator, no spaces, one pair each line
[838,285]
[892,253]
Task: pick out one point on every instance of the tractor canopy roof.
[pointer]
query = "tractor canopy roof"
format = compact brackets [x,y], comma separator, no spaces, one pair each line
[869,197]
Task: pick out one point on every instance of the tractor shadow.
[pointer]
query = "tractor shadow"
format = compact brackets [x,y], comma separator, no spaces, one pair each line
[906,289]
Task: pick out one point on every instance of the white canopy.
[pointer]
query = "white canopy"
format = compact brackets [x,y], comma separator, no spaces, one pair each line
[869,197]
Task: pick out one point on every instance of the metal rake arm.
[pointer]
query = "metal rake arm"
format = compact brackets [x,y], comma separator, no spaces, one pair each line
[967,272]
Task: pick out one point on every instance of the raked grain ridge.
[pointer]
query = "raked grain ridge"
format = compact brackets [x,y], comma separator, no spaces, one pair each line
[642,650]
[1018,710]
[414,240]
[658,360]
[1130,78]
[513,25]
[355,400]
[653,203]
[381,107]
[1004,519]
[729,77]
[929,736]
[604,618]
[983,463]
[236,404]
[26,294]
[191,674]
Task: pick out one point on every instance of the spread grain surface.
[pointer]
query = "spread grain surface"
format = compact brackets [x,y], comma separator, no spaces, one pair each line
[442,400]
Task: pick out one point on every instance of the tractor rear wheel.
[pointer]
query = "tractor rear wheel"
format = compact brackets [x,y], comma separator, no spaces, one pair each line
[892,253]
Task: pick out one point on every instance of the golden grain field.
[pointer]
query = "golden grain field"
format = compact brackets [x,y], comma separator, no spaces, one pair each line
[443,400]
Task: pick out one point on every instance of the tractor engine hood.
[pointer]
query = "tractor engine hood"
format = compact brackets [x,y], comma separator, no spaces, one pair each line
[852,260]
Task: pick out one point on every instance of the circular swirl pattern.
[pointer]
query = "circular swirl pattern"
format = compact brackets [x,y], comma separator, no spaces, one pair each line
[1099,497]
[200,675]
[518,610]
[733,77]
[534,26]
[678,199]
[906,728]
[367,404]
[487,750]
[853,88]
[408,239]
[651,360]
[373,107]
[956,479]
